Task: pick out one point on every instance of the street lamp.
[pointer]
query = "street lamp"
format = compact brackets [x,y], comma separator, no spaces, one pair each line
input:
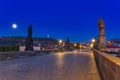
[60,44]
[75,44]
[93,41]
[60,41]
[80,46]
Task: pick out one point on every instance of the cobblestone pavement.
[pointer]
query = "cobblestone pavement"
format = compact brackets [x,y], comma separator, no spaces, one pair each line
[73,65]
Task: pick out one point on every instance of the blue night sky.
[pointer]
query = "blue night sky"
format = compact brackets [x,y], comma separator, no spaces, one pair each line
[76,19]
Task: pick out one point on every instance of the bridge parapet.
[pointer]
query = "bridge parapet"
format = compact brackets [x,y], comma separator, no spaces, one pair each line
[14,55]
[108,65]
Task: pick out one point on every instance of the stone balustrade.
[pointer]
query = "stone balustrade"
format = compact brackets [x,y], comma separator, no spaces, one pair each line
[13,55]
[109,66]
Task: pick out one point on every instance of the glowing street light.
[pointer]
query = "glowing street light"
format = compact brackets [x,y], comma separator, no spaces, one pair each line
[80,46]
[93,43]
[93,40]
[75,44]
[60,41]
[60,44]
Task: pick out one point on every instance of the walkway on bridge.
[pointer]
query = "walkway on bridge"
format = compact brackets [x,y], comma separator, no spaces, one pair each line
[73,65]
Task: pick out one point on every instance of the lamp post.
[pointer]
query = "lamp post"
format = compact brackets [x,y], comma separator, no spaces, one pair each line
[80,46]
[93,41]
[60,44]
[75,44]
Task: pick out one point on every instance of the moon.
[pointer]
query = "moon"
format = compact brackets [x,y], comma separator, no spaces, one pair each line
[14,26]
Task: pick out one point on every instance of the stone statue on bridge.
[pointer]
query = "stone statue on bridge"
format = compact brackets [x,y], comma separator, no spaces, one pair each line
[101,25]
[29,40]
[102,36]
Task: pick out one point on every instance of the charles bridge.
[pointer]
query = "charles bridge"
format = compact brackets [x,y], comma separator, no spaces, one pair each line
[81,64]
[72,65]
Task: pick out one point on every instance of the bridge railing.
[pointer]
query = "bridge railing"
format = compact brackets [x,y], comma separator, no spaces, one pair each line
[108,65]
[14,55]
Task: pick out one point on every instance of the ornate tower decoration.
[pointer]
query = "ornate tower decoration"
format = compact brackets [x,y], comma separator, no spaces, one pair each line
[102,36]
[29,40]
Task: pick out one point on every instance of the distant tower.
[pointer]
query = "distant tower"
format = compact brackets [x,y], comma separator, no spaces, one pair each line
[29,40]
[102,36]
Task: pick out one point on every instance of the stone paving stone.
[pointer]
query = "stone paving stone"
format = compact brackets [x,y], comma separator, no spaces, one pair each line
[73,65]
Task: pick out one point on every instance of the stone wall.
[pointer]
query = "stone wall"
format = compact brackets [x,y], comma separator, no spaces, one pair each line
[109,66]
[14,55]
